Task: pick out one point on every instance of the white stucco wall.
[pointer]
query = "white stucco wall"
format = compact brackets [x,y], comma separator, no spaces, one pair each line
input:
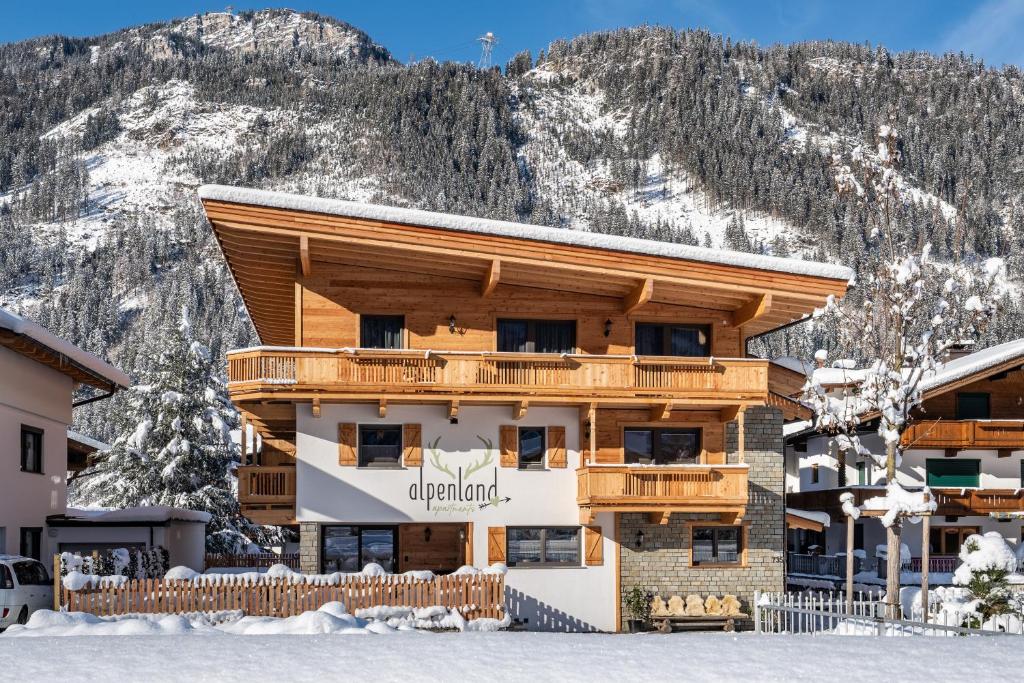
[577,598]
[34,395]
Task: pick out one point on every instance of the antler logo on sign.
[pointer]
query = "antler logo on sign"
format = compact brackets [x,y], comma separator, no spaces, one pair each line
[465,492]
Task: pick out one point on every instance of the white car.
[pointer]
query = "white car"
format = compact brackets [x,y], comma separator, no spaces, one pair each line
[25,587]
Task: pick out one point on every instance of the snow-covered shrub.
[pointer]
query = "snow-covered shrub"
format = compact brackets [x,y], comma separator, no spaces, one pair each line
[987,562]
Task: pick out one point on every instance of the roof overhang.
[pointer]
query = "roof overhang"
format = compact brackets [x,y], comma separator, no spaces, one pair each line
[272,240]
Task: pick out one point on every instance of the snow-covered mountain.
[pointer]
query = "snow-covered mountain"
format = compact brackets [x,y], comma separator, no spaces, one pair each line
[681,136]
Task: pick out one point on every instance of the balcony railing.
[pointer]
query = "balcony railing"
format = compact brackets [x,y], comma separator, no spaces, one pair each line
[267,494]
[375,371]
[670,488]
[821,565]
[951,501]
[966,434]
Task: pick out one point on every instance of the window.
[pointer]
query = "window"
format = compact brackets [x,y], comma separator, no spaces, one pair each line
[946,540]
[381,331]
[665,446]
[656,339]
[350,548]
[31,542]
[953,473]
[380,446]
[814,474]
[972,406]
[531,448]
[864,475]
[31,573]
[6,580]
[543,546]
[858,537]
[31,449]
[716,545]
[537,336]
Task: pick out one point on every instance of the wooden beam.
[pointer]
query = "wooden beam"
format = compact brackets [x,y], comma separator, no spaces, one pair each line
[382,408]
[587,515]
[729,413]
[661,412]
[491,279]
[316,407]
[304,262]
[758,307]
[732,517]
[592,417]
[741,434]
[660,518]
[519,409]
[453,410]
[640,295]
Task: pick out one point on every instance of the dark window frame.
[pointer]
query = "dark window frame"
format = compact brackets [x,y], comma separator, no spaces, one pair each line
[741,546]
[359,528]
[542,463]
[544,562]
[38,532]
[656,445]
[364,318]
[666,337]
[531,333]
[361,462]
[974,395]
[815,473]
[37,435]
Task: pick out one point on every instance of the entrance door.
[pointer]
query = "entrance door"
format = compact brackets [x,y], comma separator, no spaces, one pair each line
[441,548]
[349,548]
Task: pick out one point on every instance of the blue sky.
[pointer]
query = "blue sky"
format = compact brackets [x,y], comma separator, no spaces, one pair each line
[990,29]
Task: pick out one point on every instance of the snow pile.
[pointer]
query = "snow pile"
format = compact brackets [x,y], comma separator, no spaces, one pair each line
[882,552]
[898,502]
[984,553]
[76,581]
[849,509]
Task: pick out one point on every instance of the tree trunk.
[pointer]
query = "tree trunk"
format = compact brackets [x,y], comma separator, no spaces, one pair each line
[892,537]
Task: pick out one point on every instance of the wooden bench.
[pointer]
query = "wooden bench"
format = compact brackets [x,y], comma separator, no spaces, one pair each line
[668,624]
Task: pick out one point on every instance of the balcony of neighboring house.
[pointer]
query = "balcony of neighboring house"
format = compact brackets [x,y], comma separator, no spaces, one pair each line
[1004,436]
[952,502]
[266,493]
[305,374]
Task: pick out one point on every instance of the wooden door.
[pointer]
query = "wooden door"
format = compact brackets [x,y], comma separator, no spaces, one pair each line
[437,547]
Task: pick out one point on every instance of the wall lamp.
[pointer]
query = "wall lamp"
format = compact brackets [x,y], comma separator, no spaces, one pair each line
[451,324]
[427,533]
[607,327]
[462,535]
[639,538]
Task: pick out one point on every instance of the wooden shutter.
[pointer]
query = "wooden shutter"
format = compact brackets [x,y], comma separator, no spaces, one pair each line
[346,444]
[495,544]
[412,443]
[509,445]
[593,545]
[556,447]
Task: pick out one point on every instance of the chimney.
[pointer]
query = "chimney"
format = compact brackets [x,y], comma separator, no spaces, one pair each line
[959,350]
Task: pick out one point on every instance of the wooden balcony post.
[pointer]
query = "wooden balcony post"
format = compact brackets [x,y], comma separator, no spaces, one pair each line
[849,564]
[592,416]
[245,440]
[926,526]
[741,436]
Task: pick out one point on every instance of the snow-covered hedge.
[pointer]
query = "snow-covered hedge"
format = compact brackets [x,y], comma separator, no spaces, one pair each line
[130,564]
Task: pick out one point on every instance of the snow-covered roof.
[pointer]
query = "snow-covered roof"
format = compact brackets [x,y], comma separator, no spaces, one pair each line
[794,428]
[974,363]
[821,518]
[87,441]
[18,325]
[392,214]
[794,364]
[146,513]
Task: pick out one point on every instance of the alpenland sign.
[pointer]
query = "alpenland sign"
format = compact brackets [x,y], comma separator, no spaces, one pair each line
[458,495]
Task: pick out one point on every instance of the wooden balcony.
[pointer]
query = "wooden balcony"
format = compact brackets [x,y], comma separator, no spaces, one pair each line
[267,494]
[1004,435]
[661,490]
[371,373]
[951,502]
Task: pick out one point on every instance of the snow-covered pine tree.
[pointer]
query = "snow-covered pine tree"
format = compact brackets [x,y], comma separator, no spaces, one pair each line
[177,449]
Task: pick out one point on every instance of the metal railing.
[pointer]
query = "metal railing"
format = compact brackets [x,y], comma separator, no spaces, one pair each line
[821,565]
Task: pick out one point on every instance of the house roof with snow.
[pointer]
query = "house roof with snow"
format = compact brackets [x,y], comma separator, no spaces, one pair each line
[33,341]
[270,238]
[144,515]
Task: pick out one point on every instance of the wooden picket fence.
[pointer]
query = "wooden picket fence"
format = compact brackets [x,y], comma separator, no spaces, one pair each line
[474,595]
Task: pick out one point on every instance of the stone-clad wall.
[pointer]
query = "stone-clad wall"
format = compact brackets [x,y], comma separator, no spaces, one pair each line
[309,548]
[662,564]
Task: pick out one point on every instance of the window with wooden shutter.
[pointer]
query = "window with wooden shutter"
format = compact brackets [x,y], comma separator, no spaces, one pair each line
[495,544]
[412,442]
[509,438]
[556,447]
[594,545]
[347,444]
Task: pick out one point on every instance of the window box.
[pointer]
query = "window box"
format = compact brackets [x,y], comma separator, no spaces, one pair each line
[543,546]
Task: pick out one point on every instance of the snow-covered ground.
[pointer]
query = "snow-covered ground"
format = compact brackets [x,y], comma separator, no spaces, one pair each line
[418,656]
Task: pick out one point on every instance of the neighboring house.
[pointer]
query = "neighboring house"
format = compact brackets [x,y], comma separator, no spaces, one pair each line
[438,390]
[38,376]
[968,447]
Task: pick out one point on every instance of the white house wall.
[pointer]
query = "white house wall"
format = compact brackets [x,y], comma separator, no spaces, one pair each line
[578,598]
[35,395]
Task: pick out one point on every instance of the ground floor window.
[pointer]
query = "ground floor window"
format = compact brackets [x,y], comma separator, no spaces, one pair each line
[946,540]
[542,546]
[717,545]
[31,542]
[348,548]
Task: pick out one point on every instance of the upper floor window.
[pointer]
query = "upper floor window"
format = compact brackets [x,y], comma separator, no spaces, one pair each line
[381,331]
[531,448]
[31,449]
[665,446]
[955,473]
[380,445]
[973,406]
[657,339]
[537,336]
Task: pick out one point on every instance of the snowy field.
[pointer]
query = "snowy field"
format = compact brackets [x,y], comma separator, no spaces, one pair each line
[418,656]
